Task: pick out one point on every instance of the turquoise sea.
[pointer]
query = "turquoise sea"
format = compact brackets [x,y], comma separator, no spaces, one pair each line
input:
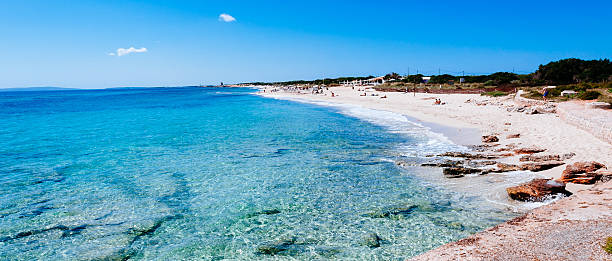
[220,174]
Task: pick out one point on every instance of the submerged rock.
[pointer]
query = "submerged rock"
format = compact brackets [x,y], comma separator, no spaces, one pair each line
[393,212]
[276,247]
[537,190]
[372,240]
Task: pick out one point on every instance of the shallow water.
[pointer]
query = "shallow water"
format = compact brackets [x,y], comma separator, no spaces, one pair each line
[215,173]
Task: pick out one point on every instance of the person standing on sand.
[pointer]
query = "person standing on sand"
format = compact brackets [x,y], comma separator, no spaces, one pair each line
[545,93]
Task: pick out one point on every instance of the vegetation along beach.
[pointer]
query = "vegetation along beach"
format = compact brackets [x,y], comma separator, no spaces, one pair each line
[305,130]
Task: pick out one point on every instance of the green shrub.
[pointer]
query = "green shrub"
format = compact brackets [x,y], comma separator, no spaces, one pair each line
[494,93]
[589,95]
[608,246]
[489,83]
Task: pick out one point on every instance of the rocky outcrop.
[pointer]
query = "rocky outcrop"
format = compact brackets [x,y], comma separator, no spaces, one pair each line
[537,190]
[534,166]
[540,166]
[468,155]
[530,150]
[481,163]
[541,158]
[444,164]
[513,136]
[582,173]
[489,139]
[458,172]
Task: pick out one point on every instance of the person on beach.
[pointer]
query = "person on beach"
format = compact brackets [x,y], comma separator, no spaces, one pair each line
[384,97]
[545,93]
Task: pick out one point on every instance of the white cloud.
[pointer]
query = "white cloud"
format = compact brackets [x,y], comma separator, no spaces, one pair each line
[226,18]
[123,51]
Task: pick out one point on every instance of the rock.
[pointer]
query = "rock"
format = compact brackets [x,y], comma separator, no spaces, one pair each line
[530,150]
[482,147]
[540,166]
[582,173]
[372,240]
[549,108]
[567,156]
[531,111]
[502,167]
[583,166]
[477,164]
[445,164]
[537,190]
[468,155]
[541,158]
[393,213]
[489,138]
[507,123]
[276,247]
[513,136]
[458,172]
[605,176]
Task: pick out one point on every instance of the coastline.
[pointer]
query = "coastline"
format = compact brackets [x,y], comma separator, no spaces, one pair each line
[464,115]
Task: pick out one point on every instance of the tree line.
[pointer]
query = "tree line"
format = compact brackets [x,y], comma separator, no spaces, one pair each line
[562,72]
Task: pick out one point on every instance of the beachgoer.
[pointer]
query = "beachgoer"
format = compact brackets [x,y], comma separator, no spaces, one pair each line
[545,93]
[384,97]
[333,95]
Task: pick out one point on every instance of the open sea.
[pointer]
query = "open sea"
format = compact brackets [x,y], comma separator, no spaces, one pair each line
[223,174]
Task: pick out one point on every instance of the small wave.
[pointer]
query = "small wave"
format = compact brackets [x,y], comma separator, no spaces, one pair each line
[424,141]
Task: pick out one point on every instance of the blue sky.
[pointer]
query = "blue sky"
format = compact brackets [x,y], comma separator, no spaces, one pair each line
[67,43]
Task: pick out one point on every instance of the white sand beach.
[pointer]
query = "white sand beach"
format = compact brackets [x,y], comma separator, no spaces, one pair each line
[569,229]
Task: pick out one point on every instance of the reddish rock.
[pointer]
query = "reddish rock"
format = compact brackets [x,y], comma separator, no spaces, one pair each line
[513,136]
[582,173]
[583,166]
[531,150]
[489,139]
[537,190]
[540,166]
[503,167]
[540,158]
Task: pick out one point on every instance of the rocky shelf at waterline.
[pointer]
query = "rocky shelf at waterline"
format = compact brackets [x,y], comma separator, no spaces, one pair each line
[488,158]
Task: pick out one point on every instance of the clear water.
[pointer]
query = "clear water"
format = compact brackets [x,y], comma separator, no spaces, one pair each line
[213,173]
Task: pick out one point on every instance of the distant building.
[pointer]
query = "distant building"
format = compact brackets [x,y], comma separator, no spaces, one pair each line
[426,79]
[568,93]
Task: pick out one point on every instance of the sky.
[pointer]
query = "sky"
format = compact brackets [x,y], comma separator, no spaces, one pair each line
[103,44]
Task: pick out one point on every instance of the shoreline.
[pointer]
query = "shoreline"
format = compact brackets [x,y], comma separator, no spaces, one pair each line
[547,131]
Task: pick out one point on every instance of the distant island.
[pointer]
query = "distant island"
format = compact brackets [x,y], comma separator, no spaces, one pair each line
[32,89]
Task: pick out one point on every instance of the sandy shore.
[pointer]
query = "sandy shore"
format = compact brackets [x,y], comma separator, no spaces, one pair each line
[545,233]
